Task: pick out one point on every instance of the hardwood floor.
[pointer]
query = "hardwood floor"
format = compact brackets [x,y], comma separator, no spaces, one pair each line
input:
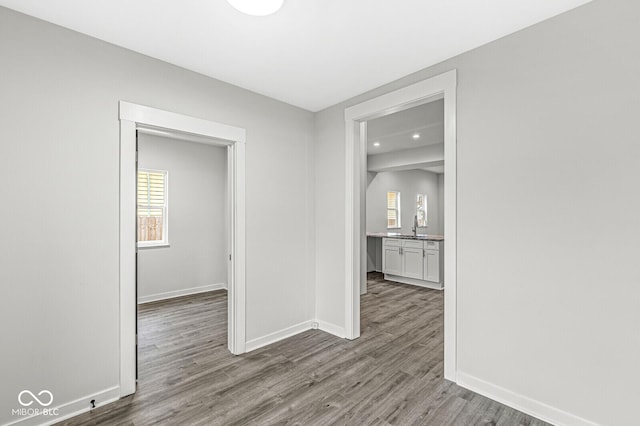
[391,375]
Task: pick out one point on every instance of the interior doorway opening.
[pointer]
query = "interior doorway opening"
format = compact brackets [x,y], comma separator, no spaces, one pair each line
[182,264]
[133,119]
[435,88]
[404,197]
[404,217]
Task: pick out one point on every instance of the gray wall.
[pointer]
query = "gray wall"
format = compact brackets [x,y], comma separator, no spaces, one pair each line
[440,204]
[409,183]
[548,301]
[59,234]
[197,255]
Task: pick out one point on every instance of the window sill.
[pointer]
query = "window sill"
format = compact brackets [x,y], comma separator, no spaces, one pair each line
[153,246]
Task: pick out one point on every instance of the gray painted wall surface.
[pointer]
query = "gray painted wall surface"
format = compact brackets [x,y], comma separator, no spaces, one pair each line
[547,299]
[548,308]
[440,204]
[409,183]
[197,255]
[59,239]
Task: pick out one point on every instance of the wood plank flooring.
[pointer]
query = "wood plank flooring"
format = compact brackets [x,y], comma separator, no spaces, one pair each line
[391,375]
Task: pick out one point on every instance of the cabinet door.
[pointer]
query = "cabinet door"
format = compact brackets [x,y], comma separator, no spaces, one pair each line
[432,265]
[412,263]
[391,263]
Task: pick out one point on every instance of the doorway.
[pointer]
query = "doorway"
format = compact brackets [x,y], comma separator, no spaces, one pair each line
[443,87]
[134,118]
[182,252]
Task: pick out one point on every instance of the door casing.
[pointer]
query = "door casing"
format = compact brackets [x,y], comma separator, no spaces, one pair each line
[132,117]
[442,86]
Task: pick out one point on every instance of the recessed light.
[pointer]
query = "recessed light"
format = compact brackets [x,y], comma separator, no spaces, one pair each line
[257,7]
[376,144]
[416,136]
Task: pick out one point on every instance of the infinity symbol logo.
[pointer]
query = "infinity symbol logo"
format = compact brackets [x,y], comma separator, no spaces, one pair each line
[35,398]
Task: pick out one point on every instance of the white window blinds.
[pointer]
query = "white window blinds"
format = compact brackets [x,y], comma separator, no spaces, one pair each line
[152,205]
[393,209]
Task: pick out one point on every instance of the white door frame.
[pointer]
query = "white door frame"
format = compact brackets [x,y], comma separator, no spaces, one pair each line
[133,116]
[438,87]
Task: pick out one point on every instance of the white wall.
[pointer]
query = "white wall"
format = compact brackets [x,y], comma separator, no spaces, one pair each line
[197,252]
[409,183]
[59,222]
[548,301]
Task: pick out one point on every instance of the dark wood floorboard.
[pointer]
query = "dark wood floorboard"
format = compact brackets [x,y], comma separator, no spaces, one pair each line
[391,375]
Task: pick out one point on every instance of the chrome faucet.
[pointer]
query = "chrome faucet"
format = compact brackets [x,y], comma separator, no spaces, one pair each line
[415,226]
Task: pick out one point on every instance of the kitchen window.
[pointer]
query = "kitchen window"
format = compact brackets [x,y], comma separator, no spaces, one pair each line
[393,210]
[421,210]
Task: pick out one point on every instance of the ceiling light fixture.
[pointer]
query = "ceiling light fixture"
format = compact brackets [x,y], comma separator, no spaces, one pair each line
[376,144]
[416,136]
[257,7]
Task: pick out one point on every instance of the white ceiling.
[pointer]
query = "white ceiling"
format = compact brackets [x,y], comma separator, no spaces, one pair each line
[395,132]
[313,53]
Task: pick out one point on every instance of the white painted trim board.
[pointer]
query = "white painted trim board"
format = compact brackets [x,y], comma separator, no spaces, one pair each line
[330,328]
[133,116]
[179,293]
[522,403]
[71,409]
[279,335]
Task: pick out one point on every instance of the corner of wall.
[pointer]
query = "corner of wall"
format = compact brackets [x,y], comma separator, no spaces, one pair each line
[519,402]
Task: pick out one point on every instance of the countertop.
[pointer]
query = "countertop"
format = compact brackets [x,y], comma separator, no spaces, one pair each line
[425,237]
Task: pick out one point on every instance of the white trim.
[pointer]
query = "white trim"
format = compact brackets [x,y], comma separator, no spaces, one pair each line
[438,87]
[152,245]
[70,409]
[188,137]
[179,293]
[276,336]
[330,328]
[148,116]
[236,312]
[128,254]
[414,281]
[131,117]
[522,403]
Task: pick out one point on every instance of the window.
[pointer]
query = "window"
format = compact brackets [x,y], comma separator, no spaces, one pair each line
[393,210]
[421,210]
[152,208]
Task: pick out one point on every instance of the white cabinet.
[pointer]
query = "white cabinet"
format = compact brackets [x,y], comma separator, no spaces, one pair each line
[411,253]
[432,261]
[411,261]
[391,260]
[432,265]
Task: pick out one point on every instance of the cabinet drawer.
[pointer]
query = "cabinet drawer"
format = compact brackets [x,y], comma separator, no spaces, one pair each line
[391,242]
[432,245]
[412,244]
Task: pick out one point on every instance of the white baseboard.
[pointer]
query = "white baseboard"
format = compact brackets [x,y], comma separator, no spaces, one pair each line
[292,331]
[278,335]
[179,293]
[522,403]
[70,409]
[331,328]
[413,281]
